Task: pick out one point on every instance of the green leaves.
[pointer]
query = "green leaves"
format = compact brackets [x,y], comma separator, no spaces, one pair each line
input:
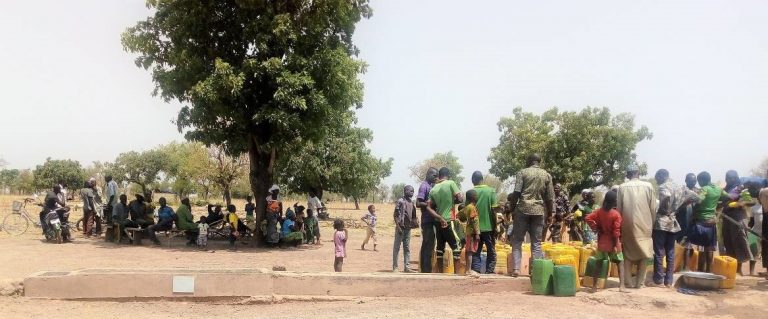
[419,170]
[580,149]
[54,171]
[142,168]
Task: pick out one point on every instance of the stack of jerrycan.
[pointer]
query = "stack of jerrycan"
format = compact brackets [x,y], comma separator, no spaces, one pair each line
[566,255]
[542,277]
[502,252]
[727,267]
[679,251]
[588,279]
[564,280]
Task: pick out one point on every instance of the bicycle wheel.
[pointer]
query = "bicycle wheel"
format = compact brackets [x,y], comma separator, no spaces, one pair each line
[15,224]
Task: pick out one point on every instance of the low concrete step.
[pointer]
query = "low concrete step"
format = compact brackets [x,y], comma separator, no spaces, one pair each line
[207,283]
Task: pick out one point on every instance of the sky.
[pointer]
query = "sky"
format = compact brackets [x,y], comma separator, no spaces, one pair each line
[441,74]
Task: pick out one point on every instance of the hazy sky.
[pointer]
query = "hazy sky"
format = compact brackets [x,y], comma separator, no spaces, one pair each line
[694,72]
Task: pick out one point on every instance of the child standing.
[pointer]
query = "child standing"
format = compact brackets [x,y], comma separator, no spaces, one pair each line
[340,244]
[470,216]
[606,222]
[202,233]
[310,227]
[370,220]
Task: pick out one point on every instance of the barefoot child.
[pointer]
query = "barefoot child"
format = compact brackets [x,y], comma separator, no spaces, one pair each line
[470,216]
[202,233]
[370,220]
[606,222]
[340,243]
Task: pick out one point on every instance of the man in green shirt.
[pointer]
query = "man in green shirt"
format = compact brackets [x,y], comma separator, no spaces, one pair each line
[486,207]
[442,199]
[186,222]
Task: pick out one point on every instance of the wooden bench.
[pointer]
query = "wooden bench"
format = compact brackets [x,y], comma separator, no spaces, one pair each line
[135,235]
[111,233]
[172,233]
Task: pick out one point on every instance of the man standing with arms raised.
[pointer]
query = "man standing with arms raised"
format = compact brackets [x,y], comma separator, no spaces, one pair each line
[637,205]
[486,207]
[532,199]
[427,222]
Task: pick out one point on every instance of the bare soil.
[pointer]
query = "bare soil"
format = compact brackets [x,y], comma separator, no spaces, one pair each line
[27,254]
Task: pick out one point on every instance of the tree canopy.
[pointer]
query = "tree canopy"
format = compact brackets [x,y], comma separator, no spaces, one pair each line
[397,191]
[438,160]
[254,76]
[580,149]
[54,171]
[143,168]
[326,165]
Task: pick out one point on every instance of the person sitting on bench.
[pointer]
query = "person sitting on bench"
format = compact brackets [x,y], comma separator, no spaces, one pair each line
[166,217]
[214,214]
[237,228]
[186,222]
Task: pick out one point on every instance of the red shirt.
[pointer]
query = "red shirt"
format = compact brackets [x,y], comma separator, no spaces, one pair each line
[607,225]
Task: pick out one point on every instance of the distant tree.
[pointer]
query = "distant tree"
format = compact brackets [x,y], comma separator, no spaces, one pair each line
[190,167]
[53,171]
[143,169]
[326,165]
[96,170]
[26,182]
[397,191]
[437,161]
[254,76]
[762,169]
[381,193]
[226,170]
[9,179]
[581,149]
[497,184]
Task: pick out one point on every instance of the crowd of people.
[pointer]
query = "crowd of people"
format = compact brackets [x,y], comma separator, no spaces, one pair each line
[635,223]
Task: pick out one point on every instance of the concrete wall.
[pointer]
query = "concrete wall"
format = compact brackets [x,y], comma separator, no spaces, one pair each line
[121,284]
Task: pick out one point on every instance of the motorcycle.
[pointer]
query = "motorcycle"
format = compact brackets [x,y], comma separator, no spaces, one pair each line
[57,225]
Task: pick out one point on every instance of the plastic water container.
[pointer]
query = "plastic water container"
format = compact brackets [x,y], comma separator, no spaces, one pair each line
[483,260]
[448,261]
[693,262]
[564,281]
[725,266]
[679,255]
[542,282]
[592,263]
[566,260]
[501,261]
[462,264]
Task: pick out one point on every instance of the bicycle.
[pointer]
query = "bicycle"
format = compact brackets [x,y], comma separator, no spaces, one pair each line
[17,222]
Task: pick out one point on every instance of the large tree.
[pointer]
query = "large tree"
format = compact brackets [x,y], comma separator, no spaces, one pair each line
[580,149]
[254,75]
[438,160]
[190,167]
[143,169]
[54,171]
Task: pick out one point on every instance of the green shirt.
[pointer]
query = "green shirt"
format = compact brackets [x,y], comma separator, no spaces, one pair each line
[486,201]
[184,220]
[709,197]
[442,196]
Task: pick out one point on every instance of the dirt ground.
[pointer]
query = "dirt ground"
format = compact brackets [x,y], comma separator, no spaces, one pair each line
[27,254]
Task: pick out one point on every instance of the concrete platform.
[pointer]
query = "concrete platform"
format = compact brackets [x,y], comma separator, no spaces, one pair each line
[187,283]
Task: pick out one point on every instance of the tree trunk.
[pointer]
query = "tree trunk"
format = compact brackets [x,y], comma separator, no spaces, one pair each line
[357,204]
[227,195]
[261,175]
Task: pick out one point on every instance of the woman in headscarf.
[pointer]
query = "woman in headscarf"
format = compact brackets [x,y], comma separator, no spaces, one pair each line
[735,237]
[274,212]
